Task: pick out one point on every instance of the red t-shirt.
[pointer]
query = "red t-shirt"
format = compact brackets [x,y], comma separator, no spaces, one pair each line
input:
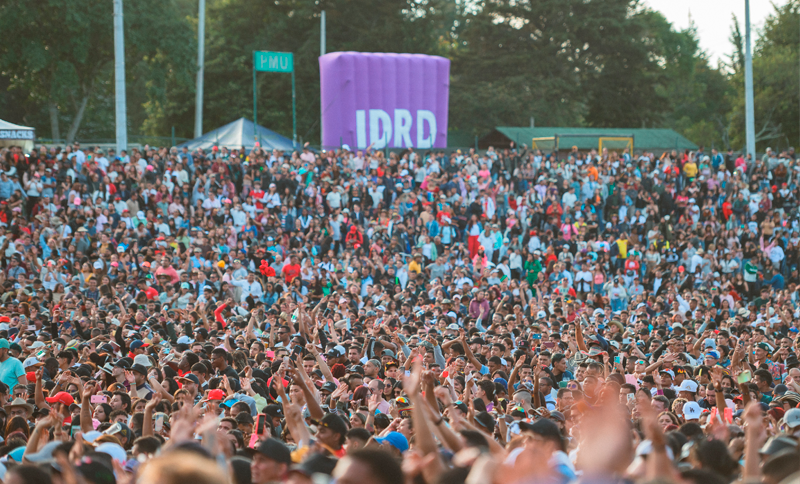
[291,271]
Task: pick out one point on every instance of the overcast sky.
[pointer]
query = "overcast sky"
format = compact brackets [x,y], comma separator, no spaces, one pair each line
[713,19]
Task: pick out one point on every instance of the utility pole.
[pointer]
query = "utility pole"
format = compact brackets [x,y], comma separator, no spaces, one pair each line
[750,123]
[119,78]
[201,48]
[322,48]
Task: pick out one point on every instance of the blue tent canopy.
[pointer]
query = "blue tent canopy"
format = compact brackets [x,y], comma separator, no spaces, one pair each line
[241,132]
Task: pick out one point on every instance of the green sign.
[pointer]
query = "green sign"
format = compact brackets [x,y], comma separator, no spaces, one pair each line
[274,61]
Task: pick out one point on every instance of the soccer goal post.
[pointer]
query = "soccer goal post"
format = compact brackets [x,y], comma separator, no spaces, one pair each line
[549,143]
[617,143]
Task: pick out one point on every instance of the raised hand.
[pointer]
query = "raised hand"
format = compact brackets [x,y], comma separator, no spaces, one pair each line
[374,401]
[153,402]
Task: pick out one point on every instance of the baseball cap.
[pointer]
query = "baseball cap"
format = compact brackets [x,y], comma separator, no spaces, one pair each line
[315,465]
[136,344]
[62,397]
[485,420]
[190,377]
[334,423]
[276,450]
[688,386]
[692,411]
[792,418]
[544,428]
[395,439]
[216,394]
[274,411]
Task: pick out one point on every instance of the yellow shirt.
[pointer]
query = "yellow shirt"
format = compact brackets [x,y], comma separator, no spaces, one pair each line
[623,248]
[690,169]
[414,266]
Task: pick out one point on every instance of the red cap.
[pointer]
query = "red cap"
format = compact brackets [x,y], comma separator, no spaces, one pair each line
[285,382]
[4,319]
[62,397]
[216,395]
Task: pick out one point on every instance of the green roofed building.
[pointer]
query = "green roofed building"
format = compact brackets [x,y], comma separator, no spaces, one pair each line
[563,139]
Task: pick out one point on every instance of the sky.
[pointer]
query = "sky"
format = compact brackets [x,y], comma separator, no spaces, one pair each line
[713,19]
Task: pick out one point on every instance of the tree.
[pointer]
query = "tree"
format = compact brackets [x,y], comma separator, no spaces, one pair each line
[61,54]
[56,53]
[775,83]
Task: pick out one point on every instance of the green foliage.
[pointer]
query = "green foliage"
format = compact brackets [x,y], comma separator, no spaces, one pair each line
[62,53]
[776,78]
[610,63]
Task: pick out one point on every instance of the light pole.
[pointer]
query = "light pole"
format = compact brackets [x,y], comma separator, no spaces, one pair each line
[322,49]
[201,46]
[750,124]
[119,78]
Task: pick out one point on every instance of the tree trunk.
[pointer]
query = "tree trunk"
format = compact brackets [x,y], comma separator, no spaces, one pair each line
[76,121]
[55,132]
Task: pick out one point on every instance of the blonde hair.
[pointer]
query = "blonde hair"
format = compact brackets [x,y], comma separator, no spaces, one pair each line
[181,467]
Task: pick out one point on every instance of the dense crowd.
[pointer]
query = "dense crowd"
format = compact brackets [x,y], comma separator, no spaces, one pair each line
[244,316]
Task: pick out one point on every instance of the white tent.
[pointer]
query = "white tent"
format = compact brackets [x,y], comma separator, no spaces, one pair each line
[15,135]
[239,133]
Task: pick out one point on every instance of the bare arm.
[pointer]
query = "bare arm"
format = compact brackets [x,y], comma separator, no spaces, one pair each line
[147,422]
[423,436]
[323,366]
[86,410]
[470,356]
[579,336]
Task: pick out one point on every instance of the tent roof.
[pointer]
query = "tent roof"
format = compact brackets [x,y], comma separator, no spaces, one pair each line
[240,133]
[644,138]
[7,125]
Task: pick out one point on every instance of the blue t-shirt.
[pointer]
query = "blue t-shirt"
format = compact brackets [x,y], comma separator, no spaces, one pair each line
[10,371]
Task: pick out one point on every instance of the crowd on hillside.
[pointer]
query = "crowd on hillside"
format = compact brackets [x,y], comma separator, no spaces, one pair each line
[355,316]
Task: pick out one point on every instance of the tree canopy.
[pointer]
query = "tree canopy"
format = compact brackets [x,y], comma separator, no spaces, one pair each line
[614,63]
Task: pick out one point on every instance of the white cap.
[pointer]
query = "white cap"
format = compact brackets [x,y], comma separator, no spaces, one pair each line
[792,418]
[114,450]
[688,386]
[91,435]
[645,447]
[541,315]
[98,264]
[692,411]
[346,147]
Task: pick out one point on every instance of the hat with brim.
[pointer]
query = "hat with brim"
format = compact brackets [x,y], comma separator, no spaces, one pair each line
[18,402]
[45,453]
[617,324]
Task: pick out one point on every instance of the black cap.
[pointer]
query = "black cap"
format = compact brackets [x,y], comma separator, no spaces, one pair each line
[316,464]
[274,411]
[485,420]
[544,428]
[96,471]
[276,450]
[334,423]
[191,377]
[328,386]
[356,369]
[140,369]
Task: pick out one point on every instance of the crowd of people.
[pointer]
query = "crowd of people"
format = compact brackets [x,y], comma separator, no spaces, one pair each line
[354,316]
